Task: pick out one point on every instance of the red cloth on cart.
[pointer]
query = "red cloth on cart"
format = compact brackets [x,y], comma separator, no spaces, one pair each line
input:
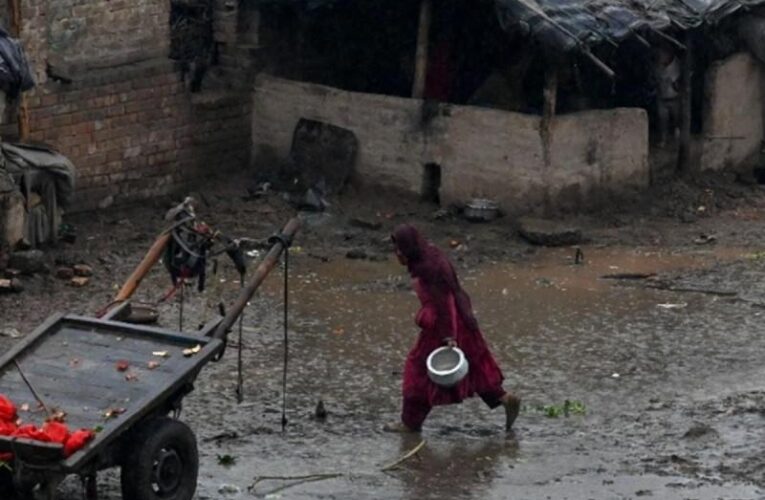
[50,432]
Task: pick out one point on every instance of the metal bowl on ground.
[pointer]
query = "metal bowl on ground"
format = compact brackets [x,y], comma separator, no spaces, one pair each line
[447,366]
[481,210]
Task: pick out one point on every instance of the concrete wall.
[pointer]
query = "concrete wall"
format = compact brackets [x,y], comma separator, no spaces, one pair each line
[482,152]
[734,127]
[127,120]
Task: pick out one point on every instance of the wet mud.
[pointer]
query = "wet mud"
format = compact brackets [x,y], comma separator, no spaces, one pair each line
[671,380]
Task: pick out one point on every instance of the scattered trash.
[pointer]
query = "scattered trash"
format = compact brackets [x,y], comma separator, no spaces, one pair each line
[190,352]
[615,375]
[58,416]
[79,282]
[161,354]
[114,413]
[481,210]
[668,306]
[24,407]
[153,365]
[11,285]
[705,239]
[229,489]
[122,366]
[131,377]
[11,333]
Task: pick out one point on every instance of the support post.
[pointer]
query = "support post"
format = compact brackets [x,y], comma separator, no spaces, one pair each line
[684,149]
[550,95]
[14,10]
[421,57]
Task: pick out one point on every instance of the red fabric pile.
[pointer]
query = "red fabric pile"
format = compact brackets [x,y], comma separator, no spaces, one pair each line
[50,432]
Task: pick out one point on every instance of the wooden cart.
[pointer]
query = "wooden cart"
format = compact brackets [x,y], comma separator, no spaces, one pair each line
[126,381]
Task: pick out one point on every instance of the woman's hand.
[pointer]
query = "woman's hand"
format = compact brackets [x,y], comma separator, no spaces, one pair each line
[426,318]
[450,342]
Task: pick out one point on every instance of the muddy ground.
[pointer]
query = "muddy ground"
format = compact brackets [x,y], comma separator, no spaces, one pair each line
[669,368]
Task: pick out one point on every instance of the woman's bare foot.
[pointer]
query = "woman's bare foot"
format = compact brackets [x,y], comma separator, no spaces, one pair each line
[512,406]
[399,427]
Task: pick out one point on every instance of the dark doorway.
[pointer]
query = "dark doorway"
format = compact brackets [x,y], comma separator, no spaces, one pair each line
[431,183]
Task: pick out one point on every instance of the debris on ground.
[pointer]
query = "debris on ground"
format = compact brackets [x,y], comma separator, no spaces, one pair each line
[10,333]
[29,262]
[365,224]
[11,286]
[79,281]
[549,233]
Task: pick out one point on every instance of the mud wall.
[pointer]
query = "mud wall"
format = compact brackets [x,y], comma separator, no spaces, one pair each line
[733,122]
[126,118]
[482,152]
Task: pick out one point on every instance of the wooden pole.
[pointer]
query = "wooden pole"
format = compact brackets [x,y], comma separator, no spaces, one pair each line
[421,57]
[684,150]
[140,272]
[14,8]
[550,93]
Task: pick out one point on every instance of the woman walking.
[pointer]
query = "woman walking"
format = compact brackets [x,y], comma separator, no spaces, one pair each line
[445,318]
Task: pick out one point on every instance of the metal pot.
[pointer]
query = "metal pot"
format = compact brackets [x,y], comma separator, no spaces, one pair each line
[481,210]
[447,366]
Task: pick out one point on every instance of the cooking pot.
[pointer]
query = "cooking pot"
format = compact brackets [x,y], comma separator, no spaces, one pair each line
[447,366]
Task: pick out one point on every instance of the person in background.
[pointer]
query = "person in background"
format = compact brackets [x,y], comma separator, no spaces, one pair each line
[445,318]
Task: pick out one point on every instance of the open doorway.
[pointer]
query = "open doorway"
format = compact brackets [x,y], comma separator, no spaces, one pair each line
[431,183]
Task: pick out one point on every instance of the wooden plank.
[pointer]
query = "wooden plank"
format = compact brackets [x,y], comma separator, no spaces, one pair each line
[31,451]
[144,407]
[115,327]
[30,339]
[421,56]
[686,89]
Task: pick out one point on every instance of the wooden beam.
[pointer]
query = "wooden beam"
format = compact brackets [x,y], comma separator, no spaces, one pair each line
[550,93]
[686,89]
[14,10]
[421,57]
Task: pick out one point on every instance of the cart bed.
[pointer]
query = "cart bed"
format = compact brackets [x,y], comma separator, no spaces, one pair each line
[72,363]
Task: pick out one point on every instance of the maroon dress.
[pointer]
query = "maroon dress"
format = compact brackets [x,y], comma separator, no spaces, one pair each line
[446,313]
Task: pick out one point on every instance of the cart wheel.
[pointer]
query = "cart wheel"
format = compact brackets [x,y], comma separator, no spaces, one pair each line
[163,464]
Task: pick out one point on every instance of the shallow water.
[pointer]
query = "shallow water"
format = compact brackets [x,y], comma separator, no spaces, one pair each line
[643,361]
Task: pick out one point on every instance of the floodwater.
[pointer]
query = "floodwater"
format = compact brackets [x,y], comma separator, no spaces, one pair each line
[669,381]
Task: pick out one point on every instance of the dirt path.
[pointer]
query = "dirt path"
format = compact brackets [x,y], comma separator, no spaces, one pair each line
[670,380]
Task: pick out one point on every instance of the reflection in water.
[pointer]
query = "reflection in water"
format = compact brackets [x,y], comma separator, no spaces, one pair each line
[467,466]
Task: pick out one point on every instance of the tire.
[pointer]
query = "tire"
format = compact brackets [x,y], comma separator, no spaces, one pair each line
[162,462]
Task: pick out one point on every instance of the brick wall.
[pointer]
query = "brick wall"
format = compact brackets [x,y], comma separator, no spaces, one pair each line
[126,120]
